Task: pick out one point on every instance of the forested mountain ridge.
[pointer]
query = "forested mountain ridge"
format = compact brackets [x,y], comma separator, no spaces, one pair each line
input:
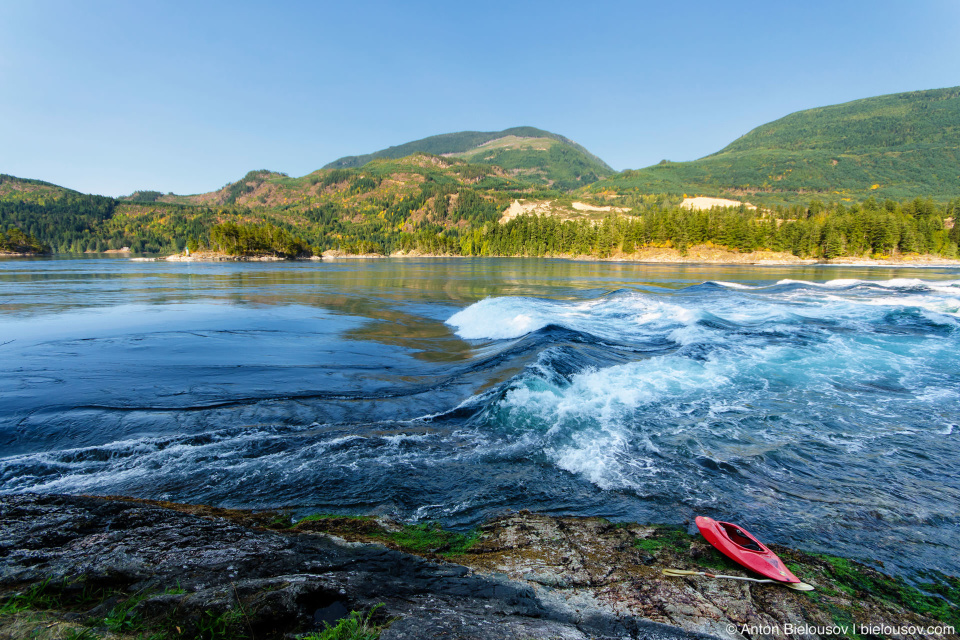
[422,204]
[529,153]
[348,209]
[473,201]
[356,190]
[29,189]
[898,146]
[903,121]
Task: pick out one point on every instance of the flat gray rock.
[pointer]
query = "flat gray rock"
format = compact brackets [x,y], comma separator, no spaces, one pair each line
[281,582]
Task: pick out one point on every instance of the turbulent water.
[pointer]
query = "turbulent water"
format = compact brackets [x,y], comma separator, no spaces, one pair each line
[819,407]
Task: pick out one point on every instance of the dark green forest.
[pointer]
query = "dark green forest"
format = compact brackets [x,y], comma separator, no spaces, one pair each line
[465,222]
[16,241]
[64,222]
[257,240]
[872,229]
[896,146]
[78,223]
[565,164]
[437,145]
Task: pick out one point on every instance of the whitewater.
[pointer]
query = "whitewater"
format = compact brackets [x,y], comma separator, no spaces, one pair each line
[820,412]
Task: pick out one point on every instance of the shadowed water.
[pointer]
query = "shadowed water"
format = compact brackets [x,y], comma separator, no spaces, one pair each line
[817,406]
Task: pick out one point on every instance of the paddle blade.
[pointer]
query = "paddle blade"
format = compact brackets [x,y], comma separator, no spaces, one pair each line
[798,586]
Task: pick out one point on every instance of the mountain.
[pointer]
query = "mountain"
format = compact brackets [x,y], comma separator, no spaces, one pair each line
[330,207]
[29,190]
[902,145]
[449,197]
[528,153]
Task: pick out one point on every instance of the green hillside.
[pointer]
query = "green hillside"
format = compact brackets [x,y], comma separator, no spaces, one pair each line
[365,209]
[531,154]
[896,146]
[434,204]
[29,189]
[876,177]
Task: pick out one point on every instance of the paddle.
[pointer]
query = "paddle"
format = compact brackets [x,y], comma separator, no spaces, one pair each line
[797,586]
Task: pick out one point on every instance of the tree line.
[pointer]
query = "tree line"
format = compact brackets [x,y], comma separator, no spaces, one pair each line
[813,232]
[16,241]
[449,218]
[58,221]
[253,240]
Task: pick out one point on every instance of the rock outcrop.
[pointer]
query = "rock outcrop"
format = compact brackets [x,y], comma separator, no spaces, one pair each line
[194,567]
[180,571]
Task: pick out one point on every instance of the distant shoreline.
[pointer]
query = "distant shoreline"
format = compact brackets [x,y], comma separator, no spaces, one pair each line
[694,256]
[216,256]
[718,256]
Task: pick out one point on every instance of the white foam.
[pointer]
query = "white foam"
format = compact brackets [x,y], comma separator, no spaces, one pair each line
[947,288]
[892,283]
[239,458]
[733,285]
[585,427]
[635,315]
[601,425]
[611,317]
[832,284]
[691,334]
[938,306]
[499,319]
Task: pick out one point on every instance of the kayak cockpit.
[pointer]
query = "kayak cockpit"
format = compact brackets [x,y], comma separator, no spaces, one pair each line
[740,538]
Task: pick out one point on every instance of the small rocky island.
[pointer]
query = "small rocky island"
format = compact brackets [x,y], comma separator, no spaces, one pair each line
[93,567]
[17,243]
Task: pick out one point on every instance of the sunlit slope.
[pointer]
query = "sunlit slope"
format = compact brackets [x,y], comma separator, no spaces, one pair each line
[898,146]
[374,186]
[28,189]
[329,207]
[371,203]
[528,153]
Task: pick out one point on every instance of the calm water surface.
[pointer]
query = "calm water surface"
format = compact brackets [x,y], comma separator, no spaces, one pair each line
[818,406]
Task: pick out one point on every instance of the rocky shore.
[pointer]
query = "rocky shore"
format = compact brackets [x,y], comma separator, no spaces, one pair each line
[73,567]
[696,255]
[709,254]
[219,256]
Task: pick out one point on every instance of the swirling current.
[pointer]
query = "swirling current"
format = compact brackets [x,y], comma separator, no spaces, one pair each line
[819,407]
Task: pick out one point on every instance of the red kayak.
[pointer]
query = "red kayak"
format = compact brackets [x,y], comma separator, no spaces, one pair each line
[741,547]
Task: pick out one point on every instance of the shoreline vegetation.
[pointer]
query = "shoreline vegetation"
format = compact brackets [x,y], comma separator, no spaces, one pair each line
[710,254]
[917,233]
[162,569]
[17,243]
[914,232]
[700,254]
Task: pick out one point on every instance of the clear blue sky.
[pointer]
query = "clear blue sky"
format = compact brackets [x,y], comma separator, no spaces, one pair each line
[109,97]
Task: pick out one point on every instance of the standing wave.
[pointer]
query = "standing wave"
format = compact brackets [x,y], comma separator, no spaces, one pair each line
[807,415]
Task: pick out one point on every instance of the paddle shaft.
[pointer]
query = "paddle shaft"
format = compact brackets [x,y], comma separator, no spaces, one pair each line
[798,586]
[681,572]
